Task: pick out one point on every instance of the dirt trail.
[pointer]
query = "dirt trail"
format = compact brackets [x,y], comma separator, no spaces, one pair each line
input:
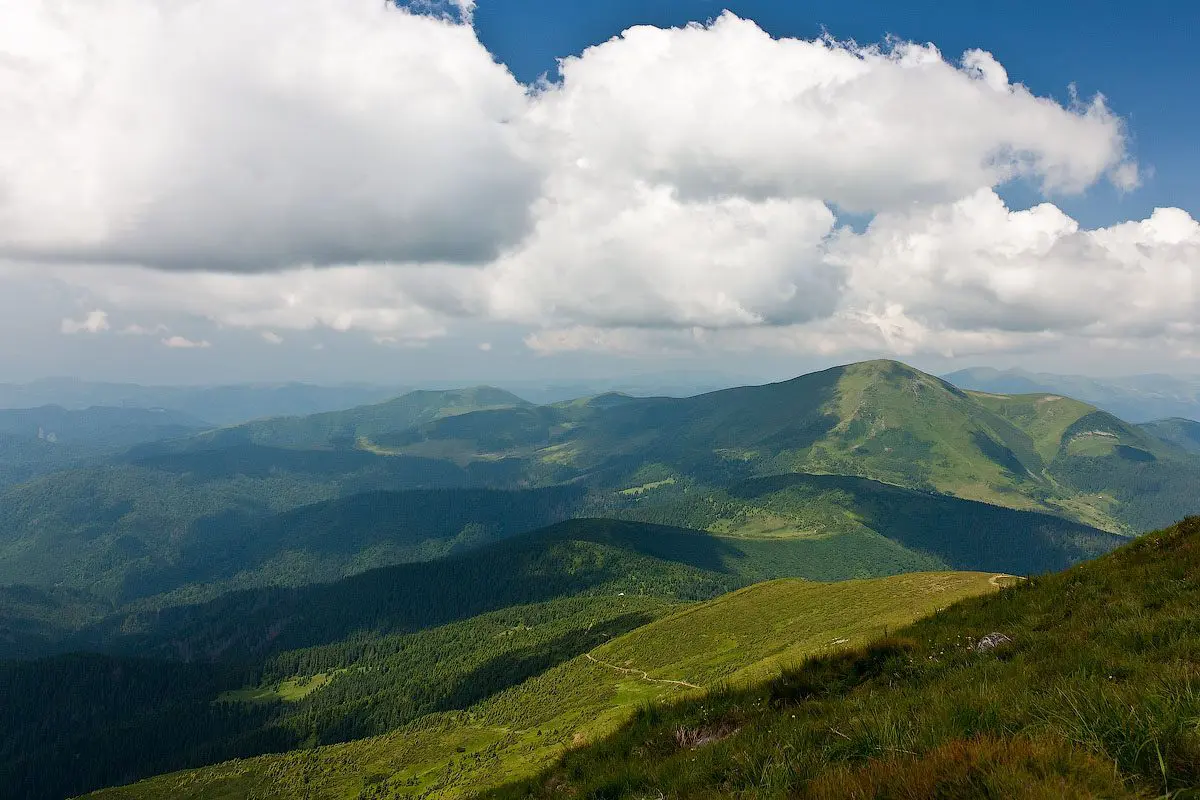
[639,672]
[995,579]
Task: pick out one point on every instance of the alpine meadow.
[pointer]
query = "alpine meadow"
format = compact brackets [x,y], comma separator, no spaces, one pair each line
[500,400]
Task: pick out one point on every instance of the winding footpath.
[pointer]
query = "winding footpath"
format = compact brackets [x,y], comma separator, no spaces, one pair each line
[639,672]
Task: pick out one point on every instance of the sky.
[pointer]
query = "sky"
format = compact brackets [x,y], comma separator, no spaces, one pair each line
[345,190]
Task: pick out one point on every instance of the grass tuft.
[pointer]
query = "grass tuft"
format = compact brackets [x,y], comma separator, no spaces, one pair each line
[836,674]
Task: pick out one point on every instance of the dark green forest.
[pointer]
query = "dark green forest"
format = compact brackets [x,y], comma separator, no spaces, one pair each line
[122,718]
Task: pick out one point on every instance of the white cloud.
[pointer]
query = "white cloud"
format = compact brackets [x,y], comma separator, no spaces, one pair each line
[92,322]
[676,191]
[725,109]
[247,136]
[612,256]
[134,329]
[377,299]
[973,277]
[975,265]
[271,337]
[183,343]
[485,347]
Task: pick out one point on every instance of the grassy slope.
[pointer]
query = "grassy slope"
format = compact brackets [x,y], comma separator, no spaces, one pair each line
[1044,417]
[1096,695]
[902,426]
[1139,479]
[512,734]
[757,630]
[879,419]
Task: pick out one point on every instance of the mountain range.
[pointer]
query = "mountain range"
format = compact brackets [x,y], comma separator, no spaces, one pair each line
[270,585]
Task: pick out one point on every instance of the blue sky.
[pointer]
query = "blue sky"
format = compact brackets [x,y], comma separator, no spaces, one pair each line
[329,190]
[1142,56]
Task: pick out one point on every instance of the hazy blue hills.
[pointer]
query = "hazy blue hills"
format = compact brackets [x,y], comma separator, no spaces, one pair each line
[99,426]
[35,441]
[1137,398]
[348,428]
[220,405]
[25,457]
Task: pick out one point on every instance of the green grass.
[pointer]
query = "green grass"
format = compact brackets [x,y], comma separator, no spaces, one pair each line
[754,630]
[1092,445]
[520,730]
[1045,417]
[291,690]
[646,487]
[1096,694]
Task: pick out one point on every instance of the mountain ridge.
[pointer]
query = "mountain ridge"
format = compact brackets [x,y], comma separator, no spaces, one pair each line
[1137,398]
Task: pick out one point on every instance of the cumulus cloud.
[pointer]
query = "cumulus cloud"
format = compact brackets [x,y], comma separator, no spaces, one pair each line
[183,343]
[377,299]
[336,164]
[726,109]
[977,265]
[973,277]
[92,322]
[271,337]
[642,256]
[248,136]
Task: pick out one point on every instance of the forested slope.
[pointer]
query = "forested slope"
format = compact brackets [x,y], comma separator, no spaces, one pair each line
[513,732]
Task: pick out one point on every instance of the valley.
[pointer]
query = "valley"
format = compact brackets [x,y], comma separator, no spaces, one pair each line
[446,592]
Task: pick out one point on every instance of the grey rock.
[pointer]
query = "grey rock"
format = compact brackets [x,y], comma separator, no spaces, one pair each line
[991,642]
